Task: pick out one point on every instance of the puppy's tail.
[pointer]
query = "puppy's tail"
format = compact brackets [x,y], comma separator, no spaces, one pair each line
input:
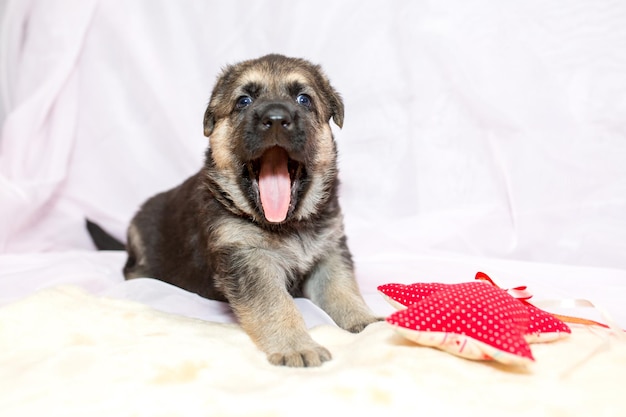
[102,239]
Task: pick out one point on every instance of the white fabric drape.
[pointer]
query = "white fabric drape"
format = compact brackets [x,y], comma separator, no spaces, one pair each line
[481,128]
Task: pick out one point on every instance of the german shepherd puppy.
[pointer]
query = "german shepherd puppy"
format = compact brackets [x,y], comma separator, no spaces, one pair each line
[260,223]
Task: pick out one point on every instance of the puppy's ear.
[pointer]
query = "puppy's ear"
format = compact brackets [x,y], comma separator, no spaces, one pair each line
[335,103]
[209,121]
[336,108]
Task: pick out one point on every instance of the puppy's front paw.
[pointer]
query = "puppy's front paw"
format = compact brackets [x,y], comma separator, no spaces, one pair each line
[362,324]
[309,356]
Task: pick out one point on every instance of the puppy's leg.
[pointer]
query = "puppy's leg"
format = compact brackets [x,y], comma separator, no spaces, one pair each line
[267,312]
[276,326]
[332,287]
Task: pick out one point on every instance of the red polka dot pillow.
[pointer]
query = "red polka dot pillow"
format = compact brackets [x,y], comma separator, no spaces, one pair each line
[475,320]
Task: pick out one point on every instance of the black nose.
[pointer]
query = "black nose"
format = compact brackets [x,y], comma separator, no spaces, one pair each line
[276,118]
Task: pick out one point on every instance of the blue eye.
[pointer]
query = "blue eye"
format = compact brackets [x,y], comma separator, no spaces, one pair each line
[243,102]
[304,100]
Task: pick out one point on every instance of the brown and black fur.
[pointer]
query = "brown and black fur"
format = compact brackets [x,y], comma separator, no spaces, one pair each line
[210,235]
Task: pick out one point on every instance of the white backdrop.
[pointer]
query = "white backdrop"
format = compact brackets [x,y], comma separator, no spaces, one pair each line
[485,128]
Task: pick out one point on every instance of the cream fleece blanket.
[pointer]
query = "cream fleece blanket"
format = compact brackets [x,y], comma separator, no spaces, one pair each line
[64,352]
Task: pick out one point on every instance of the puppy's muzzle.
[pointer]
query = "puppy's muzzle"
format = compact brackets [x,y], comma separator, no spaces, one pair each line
[275,162]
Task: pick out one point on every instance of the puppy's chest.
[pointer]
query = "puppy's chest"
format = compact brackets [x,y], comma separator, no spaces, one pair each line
[297,251]
[303,250]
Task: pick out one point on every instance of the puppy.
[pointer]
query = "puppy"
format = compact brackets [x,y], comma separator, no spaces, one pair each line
[260,223]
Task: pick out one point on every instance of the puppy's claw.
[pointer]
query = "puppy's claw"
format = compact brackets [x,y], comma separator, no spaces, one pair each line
[298,359]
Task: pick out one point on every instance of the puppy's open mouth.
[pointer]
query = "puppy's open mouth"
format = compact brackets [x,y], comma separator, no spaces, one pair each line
[277,177]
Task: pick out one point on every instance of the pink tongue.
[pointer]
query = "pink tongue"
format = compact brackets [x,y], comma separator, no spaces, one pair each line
[274,184]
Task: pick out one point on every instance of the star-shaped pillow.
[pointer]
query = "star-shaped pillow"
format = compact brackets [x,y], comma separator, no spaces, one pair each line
[475,320]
